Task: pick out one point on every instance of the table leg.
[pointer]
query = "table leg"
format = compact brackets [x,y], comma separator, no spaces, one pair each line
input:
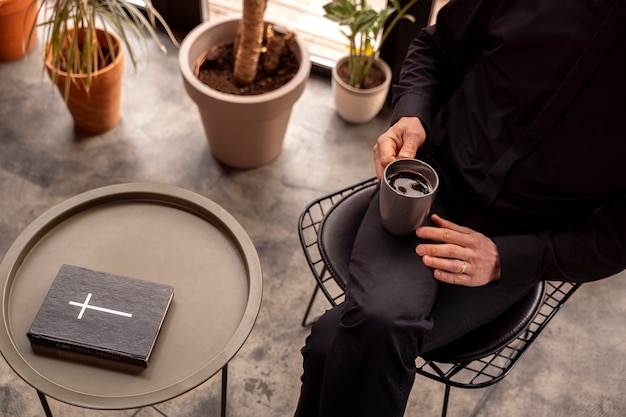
[44,404]
[224,387]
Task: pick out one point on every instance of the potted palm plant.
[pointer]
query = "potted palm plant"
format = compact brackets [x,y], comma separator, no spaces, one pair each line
[84,53]
[244,130]
[360,80]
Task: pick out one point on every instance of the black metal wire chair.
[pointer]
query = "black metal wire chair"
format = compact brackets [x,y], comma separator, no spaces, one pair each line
[477,360]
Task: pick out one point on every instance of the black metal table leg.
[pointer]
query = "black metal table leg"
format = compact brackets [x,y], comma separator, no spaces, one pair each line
[224,387]
[44,404]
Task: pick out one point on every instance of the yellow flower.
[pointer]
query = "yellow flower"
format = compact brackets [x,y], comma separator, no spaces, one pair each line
[356,51]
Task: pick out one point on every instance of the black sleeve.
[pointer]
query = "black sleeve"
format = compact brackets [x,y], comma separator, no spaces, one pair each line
[438,56]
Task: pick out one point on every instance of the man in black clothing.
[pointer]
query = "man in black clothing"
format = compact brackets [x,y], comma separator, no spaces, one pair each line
[521,107]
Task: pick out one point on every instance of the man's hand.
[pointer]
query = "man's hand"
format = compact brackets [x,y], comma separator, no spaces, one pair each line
[402,140]
[463,256]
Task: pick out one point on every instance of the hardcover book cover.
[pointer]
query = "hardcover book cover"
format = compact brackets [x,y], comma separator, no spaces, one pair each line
[102,314]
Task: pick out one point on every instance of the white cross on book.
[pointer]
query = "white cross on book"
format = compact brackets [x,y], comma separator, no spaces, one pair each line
[86,305]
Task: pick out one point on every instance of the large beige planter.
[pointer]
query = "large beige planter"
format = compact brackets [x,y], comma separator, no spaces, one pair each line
[242,131]
[356,105]
[98,110]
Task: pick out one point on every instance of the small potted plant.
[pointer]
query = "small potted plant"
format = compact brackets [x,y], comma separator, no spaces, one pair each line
[84,53]
[358,94]
[245,125]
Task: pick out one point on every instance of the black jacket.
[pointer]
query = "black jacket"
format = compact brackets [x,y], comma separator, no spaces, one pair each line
[525,105]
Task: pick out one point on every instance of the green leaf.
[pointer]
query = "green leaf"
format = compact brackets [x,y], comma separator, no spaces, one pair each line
[364,28]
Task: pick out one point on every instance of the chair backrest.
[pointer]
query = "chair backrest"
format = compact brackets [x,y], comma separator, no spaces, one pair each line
[338,231]
[309,225]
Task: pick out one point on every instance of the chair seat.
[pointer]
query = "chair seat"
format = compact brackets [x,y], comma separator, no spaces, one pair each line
[336,237]
[494,335]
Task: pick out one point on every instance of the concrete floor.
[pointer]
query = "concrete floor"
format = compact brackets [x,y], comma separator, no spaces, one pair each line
[576,368]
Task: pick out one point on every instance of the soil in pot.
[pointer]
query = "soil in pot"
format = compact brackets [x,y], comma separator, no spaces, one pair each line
[216,70]
[376,76]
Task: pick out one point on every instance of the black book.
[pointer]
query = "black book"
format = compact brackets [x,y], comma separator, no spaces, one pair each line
[101,314]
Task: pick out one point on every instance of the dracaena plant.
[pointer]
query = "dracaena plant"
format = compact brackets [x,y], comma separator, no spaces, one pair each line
[365,32]
[84,55]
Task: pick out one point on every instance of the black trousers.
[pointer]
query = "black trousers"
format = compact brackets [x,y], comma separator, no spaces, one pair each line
[359,359]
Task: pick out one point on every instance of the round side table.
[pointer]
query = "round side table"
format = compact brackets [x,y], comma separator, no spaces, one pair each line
[152,232]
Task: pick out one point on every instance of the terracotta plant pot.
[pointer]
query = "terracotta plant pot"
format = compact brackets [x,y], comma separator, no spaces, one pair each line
[98,110]
[357,105]
[16,20]
[242,131]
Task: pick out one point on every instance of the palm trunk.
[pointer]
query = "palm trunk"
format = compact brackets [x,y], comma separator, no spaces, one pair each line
[249,41]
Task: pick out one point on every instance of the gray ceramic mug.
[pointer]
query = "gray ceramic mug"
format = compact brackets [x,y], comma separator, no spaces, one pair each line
[407,191]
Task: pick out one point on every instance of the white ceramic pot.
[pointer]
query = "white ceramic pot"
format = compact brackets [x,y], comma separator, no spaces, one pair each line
[356,105]
[242,131]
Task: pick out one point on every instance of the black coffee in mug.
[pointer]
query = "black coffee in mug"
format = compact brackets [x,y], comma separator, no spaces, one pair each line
[411,184]
[406,193]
